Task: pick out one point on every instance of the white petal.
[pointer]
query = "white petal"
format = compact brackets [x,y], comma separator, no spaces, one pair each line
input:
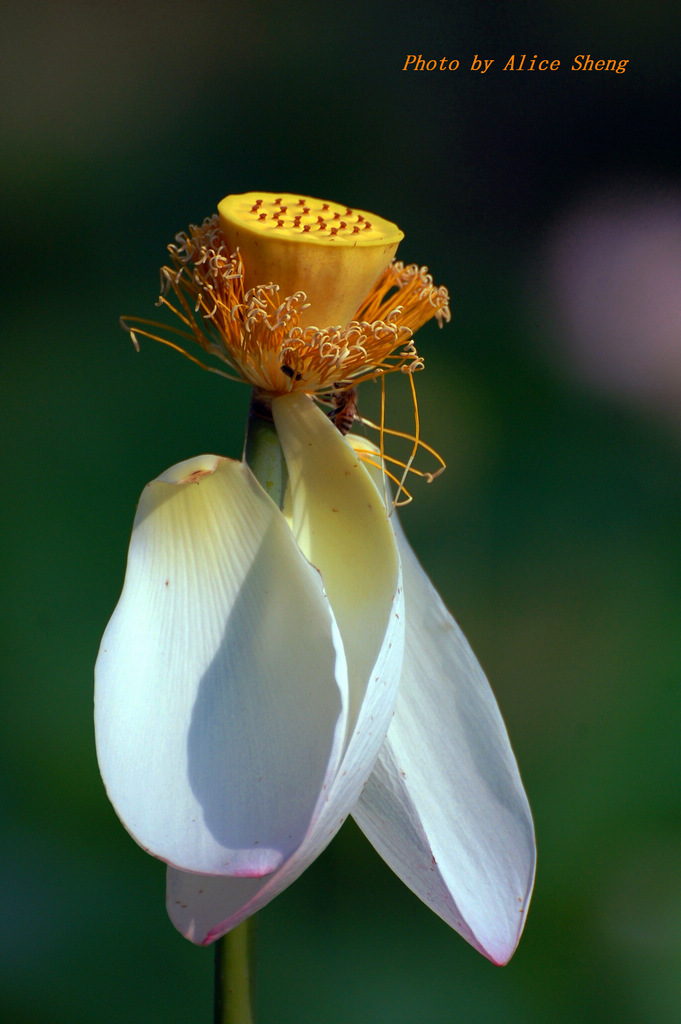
[203,907]
[342,526]
[340,523]
[221,687]
[445,806]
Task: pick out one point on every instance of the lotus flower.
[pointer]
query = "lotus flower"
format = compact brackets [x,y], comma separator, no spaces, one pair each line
[268,671]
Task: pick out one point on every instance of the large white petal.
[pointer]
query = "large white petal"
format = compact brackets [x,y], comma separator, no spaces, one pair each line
[221,686]
[204,907]
[445,806]
[341,525]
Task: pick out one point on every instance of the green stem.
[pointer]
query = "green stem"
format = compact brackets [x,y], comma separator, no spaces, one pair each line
[235,976]
[262,451]
[234,991]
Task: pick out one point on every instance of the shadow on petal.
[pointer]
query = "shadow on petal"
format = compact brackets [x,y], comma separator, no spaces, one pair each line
[263,722]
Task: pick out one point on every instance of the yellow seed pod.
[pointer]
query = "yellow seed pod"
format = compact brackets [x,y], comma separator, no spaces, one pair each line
[332,253]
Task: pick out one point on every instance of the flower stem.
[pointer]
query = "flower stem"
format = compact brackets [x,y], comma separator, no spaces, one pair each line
[262,451]
[234,988]
[234,992]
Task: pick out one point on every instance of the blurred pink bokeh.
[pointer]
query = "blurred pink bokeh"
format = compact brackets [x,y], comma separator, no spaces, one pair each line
[613,279]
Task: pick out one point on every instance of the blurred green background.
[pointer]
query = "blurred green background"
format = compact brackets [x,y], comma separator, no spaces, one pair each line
[553,535]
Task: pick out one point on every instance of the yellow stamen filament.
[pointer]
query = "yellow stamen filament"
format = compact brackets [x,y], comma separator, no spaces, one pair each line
[166,341]
[371,460]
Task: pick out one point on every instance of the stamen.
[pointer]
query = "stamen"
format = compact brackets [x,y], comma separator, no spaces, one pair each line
[262,331]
